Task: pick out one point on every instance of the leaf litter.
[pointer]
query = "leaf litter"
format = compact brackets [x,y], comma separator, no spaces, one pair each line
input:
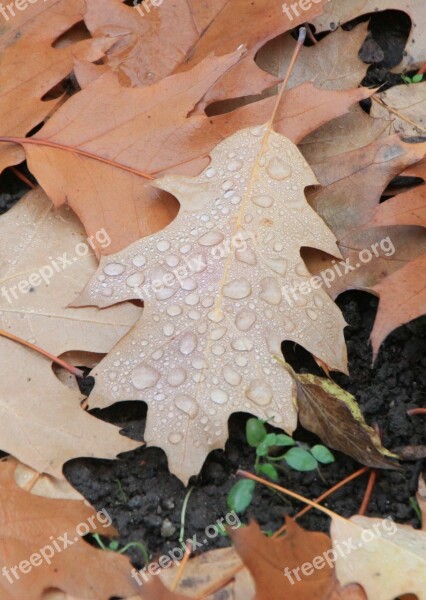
[59,163]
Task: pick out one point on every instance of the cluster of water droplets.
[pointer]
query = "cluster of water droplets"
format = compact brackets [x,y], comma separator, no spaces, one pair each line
[207,342]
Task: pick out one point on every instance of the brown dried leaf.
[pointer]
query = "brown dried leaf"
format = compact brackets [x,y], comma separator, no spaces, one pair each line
[42,422]
[42,485]
[148,130]
[405,106]
[402,293]
[28,523]
[337,12]
[349,204]
[402,299]
[334,415]
[411,452]
[271,563]
[350,132]
[262,576]
[207,341]
[388,561]
[31,66]
[332,64]
[148,45]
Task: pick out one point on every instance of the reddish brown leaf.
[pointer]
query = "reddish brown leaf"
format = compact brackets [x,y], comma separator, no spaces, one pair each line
[27,75]
[349,203]
[29,523]
[148,131]
[148,45]
[292,566]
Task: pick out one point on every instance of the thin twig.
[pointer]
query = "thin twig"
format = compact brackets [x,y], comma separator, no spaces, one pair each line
[368,491]
[310,34]
[71,369]
[73,150]
[416,411]
[218,585]
[31,483]
[22,177]
[181,568]
[397,113]
[325,495]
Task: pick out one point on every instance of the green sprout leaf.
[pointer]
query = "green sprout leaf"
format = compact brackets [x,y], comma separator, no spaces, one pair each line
[322,454]
[113,545]
[300,460]
[255,432]
[269,441]
[284,440]
[268,470]
[417,78]
[241,495]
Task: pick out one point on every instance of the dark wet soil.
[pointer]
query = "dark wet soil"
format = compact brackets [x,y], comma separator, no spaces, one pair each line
[146,502]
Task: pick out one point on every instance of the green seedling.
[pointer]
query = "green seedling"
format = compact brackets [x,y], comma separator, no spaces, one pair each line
[418,78]
[122,496]
[297,456]
[114,546]
[415,506]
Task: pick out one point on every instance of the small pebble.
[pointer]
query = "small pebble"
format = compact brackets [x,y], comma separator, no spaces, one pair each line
[167,529]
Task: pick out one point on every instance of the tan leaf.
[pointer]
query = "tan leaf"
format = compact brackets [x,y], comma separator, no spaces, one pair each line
[332,64]
[31,66]
[267,573]
[214,315]
[405,106]
[402,294]
[148,45]
[402,299]
[260,575]
[386,558]
[334,415]
[42,485]
[408,208]
[349,203]
[337,12]
[278,565]
[29,523]
[207,570]
[149,131]
[350,132]
[43,424]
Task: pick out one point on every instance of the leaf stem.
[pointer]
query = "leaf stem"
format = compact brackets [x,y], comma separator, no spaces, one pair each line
[300,41]
[368,492]
[218,585]
[70,368]
[325,495]
[22,177]
[73,150]
[416,411]
[183,515]
[181,567]
[283,490]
